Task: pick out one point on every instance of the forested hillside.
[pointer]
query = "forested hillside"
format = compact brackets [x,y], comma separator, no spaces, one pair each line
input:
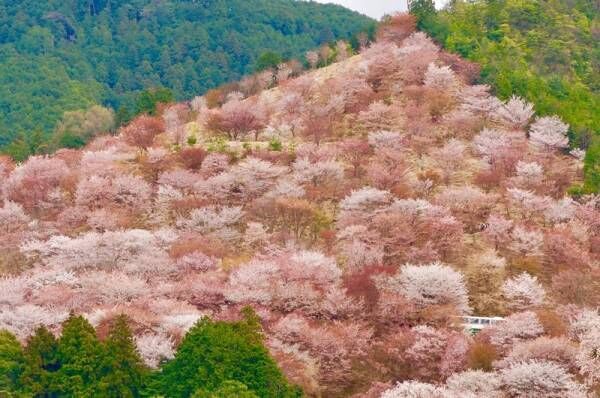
[362,209]
[58,56]
[547,51]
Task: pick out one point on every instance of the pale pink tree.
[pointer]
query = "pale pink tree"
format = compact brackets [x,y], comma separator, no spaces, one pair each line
[497,230]
[435,352]
[514,328]
[131,191]
[142,131]
[432,284]
[31,182]
[440,78]
[221,222]
[489,141]
[526,242]
[416,389]
[529,175]
[478,100]
[379,116]
[450,157]
[360,247]
[549,133]
[540,379]
[530,204]
[12,217]
[94,192]
[341,48]
[24,319]
[475,382]
[287,281]
[588,357]
[366,200]
[515,113]
[469,204]
[155,348]
[386,139]
[554,349]
[237,118]
[312,57]
[181,179]
[523,292]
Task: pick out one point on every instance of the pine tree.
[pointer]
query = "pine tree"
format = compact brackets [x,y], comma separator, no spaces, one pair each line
[40,363]
[81,357]
[213,353]
[123,373]
[11,363]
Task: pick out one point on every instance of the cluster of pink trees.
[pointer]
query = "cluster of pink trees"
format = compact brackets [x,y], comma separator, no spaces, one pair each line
[361,210]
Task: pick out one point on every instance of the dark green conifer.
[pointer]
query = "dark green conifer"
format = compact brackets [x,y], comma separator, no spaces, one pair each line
[11,363]
[41,363]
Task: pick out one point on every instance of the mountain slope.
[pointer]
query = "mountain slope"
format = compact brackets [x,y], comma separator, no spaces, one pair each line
[361,209]
[66,55]
[547,51]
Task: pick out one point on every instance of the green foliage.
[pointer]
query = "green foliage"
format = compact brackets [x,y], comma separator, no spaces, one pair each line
[229,389]
[423,10]
[11,363]
[148,100]
[268,60]
[192,140]
[545,51]
[214,353]
[275,145]
[591,167]
[80,356]
[123,372]
[215,360]
[41,360]
[110,52]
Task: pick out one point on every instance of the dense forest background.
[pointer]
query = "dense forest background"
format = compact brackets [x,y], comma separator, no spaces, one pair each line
[547,51]
[58,55]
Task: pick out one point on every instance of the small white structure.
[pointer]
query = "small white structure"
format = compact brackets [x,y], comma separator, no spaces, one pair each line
[475,323]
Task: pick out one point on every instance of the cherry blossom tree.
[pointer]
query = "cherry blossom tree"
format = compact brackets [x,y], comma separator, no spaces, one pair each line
[514,328]
[515,113]
[553,349]
[312,57]
[12,217]
[237,118]
[287,281]
[549,133]
[497,230]
[95,192]
[440,78]
[155,348]
[529,175]
[436,352]
[478,100]
[30,183]
[476,382]
[526,242]
[219,222]
[142,131]
[416,389]
[467,203]
[523,292]
[396,28]
[432,284]
[588,357]
[540,378]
